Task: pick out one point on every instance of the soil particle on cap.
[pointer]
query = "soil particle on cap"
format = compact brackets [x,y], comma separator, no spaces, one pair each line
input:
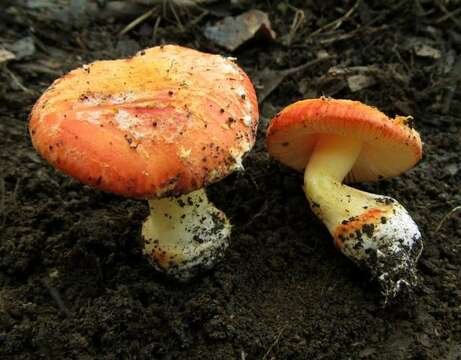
[131,142]
[384,200]
[83,98]
[409,122]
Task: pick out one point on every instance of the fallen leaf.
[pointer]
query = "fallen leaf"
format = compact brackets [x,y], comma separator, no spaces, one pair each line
[359,82]
[232,32]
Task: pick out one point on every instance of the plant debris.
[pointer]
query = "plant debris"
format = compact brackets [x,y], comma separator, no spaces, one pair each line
[23,48]
[6,55]
[232,32]
[268,80]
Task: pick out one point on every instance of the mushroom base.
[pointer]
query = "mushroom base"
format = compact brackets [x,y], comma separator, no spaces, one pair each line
[374,231]
[186,235]
[386,241]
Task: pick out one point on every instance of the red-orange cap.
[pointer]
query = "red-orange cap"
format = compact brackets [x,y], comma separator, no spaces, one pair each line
[390,146]
[167,121]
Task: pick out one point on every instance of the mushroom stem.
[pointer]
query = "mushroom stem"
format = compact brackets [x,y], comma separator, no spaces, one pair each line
[185,235]
[374,231]
[329,164]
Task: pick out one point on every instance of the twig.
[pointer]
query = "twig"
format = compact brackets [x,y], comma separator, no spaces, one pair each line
[277,339]
[178,20]
[17,82]
[351,34]
[446,217]
[260,212]
[298,20]
[2,202]
[57,298]
[137,21]
[328,38]
[338,22]
[279,76]
[449,14]
[449,98]
[199,18]
[154,32]
[401,60]
[41,69]
[15,191]
[451,88]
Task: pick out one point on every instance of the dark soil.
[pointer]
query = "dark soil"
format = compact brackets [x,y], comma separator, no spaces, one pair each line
[73,281]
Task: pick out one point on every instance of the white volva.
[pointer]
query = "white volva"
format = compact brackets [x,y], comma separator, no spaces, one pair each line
[185,235]
[388,245]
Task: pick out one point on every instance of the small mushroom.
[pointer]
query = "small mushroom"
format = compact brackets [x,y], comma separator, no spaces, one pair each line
[335,140]
[155,126]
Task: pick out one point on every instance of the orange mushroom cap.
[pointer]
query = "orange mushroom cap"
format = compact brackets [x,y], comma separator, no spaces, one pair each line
[390,146]
[167,121]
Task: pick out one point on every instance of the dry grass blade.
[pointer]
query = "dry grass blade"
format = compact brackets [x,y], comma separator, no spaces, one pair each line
[56,296]
[271,79]
[2,202]
[446,217]
[138,21]
[17,82]
[449,15]
[298,20]
[340,37]
[277,339]
[176,16]
[155,30]
[338,22]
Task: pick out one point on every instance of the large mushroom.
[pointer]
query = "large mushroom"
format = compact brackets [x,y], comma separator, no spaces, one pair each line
[159,126]
[335,140]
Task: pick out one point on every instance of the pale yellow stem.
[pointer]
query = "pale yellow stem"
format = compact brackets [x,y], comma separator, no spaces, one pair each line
[330,200]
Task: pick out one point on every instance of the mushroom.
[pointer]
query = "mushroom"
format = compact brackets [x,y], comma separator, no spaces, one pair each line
[159,126]
[341,140]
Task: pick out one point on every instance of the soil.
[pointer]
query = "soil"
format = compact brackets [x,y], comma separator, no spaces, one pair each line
[73,281]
